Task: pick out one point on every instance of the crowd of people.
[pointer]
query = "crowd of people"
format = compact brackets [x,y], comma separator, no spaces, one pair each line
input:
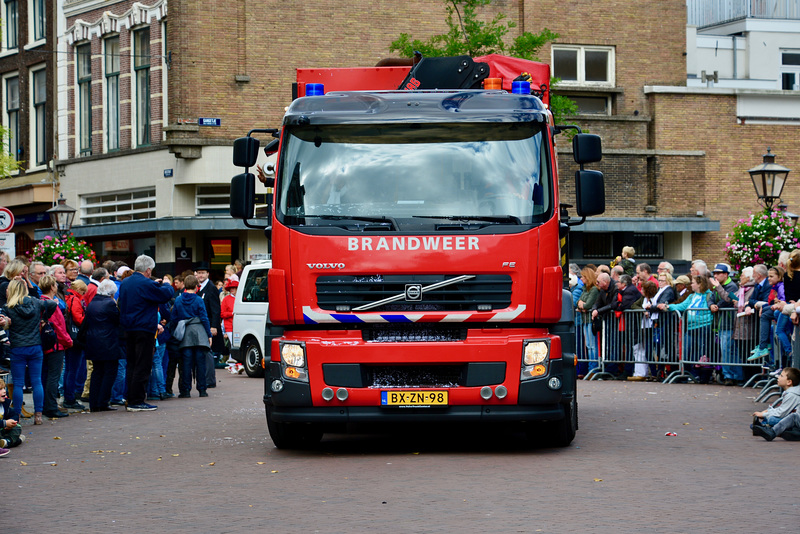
[722,317]
[111,336]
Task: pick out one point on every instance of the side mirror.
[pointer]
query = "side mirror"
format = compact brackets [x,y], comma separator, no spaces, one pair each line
[243,191]
[272,147]
[590,193]
[245,151]
[586,148]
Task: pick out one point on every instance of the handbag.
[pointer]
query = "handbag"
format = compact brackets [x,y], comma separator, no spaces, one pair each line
[48,335]
[180,330]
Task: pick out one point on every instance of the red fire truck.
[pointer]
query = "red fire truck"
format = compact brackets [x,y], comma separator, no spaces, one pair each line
[416,237]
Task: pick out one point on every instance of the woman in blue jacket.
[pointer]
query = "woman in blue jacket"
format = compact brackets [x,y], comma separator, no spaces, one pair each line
[698,321]
[196,339]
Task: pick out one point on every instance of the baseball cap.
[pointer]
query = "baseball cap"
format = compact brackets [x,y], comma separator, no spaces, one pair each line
[721,268]
[683,279]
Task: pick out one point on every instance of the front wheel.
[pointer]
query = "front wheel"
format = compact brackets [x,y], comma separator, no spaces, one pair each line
[556,433]
[293,435]
[252,359]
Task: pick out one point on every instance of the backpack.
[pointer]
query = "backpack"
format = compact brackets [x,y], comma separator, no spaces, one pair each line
[48,335]
[72,327]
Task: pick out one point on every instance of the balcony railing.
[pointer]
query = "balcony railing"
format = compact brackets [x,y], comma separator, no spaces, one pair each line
[711,12]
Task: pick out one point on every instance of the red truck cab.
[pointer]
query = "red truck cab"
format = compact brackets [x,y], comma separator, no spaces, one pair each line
[416,249]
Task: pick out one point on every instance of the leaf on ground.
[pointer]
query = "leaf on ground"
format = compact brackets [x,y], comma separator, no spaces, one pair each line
[261,463]
[56,437]
[598,480]
[23,463]
[212,463]
[176,455]
[274,471]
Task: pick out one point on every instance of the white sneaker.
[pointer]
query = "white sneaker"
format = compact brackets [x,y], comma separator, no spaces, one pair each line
[22,437]
[776,372]
[3,443]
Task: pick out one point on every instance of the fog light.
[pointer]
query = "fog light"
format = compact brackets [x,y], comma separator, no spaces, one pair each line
[327,394]
[501,392]
[277,386]
[486,393]
[554,383]
[341,394]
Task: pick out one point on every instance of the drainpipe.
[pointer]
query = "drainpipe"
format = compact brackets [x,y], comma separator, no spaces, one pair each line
[734,57]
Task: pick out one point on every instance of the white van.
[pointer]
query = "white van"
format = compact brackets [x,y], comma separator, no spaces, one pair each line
[250,312]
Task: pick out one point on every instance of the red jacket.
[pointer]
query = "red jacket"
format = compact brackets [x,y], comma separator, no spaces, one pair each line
[226,312]
[59,325]
[91,291]
[75,306]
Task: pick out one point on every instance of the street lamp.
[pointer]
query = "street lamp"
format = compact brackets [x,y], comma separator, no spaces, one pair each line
[61,216]
[769,179]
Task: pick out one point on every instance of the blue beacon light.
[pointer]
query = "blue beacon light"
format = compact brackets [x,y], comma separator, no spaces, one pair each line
[521,88]
[315,89]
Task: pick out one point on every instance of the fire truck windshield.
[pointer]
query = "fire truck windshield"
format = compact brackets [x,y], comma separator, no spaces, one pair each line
[410,175]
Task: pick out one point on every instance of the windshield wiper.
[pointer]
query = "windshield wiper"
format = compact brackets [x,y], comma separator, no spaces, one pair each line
[498,219]
[383,220]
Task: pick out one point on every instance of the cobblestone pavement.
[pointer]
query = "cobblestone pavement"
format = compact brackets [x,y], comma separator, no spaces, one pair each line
[207,465]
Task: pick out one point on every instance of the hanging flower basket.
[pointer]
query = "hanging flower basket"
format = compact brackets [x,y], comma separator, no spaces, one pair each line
[760,238]
[52,250]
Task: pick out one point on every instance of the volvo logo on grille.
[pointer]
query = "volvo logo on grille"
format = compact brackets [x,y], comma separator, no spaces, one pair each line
[325,265]
[413,292]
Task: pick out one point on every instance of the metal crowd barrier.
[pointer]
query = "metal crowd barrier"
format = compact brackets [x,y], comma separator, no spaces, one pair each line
[697,345]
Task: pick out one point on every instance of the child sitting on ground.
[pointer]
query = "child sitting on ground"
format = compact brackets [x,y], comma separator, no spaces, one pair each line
[788,380]
[10,431]
[788,428]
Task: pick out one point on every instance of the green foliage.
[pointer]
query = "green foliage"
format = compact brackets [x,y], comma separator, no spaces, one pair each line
[52,250]
[8,162]
[469,35]
[760,239]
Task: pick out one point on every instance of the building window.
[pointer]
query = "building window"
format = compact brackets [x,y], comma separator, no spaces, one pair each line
[38,20]
[213,200]
[84,57]
[592,104]
[597,245]
[119,206]
[790,70]
[141,50]
[39,86]
[11,98]
[584,65]
[11,26]
[112,93]
[649,245]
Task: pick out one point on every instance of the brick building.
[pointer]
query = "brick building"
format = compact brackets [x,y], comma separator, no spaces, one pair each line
[27,71]
[135,78]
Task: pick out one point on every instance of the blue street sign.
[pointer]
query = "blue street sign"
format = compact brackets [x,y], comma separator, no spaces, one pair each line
[202,121]
[167,173]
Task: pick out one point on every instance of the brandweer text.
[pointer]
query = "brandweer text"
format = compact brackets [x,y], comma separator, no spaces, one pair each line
[413,243]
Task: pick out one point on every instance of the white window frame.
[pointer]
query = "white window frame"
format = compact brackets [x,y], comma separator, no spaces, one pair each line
[34,122]
[7,30]
[217,209]
[6,119]
[33,41]
[137,100]
[118,215]
[111,121]
[82,106]
[787,69]
[581,65]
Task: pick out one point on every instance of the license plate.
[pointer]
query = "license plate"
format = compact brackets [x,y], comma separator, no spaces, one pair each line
[413,398]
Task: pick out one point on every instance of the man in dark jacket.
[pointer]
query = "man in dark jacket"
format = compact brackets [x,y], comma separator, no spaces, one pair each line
[139,297]
[721,304]
[762,287]
[210,295]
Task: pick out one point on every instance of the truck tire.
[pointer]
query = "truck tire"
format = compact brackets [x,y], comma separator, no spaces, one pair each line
[293,435]
[252,359]
[556,433]
[563,432]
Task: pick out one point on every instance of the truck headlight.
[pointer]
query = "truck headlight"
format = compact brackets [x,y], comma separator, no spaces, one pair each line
[293,354]
[535,352]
